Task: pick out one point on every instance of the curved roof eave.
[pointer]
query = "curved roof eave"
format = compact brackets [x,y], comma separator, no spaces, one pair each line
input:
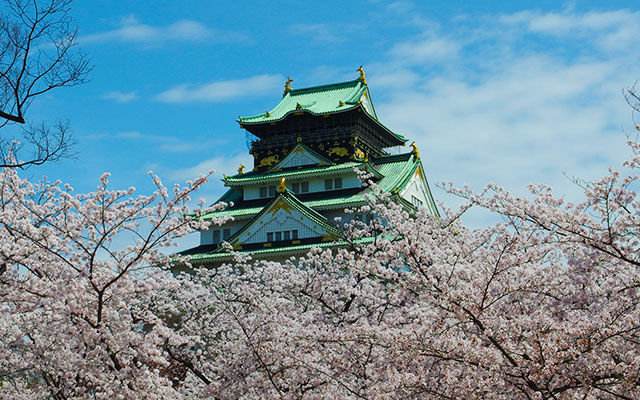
[302,110]
[354,106]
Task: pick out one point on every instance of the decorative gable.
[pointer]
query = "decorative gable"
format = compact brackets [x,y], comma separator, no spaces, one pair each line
[417,192]
[301,155]
[285,218]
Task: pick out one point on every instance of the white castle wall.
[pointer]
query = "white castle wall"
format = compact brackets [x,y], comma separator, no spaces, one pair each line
[349,180]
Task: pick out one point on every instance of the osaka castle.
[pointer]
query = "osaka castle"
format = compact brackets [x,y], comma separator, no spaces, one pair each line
[306,153]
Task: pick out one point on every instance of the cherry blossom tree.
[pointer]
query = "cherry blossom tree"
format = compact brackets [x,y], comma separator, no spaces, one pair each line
[543,306]
[75,308]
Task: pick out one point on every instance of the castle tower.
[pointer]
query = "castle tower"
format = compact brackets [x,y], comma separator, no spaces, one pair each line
[305,153]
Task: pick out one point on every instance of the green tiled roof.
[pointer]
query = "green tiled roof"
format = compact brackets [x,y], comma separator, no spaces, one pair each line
[276,250]
[316,100]
[394,171]
[234,212]
[256,177]
[397,174]
[323,100]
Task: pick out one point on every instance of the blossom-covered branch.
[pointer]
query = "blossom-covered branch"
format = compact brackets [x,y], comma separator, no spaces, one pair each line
[77,275]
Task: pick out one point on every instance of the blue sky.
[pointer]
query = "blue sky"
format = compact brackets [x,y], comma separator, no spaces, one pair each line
[504,91]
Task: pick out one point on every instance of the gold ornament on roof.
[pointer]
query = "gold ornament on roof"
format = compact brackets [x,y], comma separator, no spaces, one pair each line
[358,154]
[362,78]
[267,114]
[282,186]
[340,103]
[287,85]
[414,150]
[298,106]
[241,169]
[299,139]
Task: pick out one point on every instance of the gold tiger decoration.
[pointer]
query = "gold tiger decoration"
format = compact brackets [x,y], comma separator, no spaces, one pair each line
[269,161]
[339,151]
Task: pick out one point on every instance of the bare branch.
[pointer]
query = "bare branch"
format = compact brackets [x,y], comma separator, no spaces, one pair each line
[38,53]
[47,144]
[633,99]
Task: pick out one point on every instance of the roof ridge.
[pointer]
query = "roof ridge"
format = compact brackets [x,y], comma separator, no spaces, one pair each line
[239,178]
[391,158]
[402,182]
[337,85]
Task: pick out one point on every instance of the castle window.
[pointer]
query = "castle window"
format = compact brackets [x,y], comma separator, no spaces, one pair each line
[330,184]
[282,235]
[300,187]
[267,191]
[226,233]
[216,236]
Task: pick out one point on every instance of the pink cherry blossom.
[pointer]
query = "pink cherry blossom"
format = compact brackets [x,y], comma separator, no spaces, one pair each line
[542,306]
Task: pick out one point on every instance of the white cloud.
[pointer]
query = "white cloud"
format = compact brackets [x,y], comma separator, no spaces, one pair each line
[221,90]
[323,33]
[221,165]
[118,135]
[168,144]
[134,135]
[120,97]
[401,7]
[508,111]
[429,50]
[610,30]
[394,78]
[131,30]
